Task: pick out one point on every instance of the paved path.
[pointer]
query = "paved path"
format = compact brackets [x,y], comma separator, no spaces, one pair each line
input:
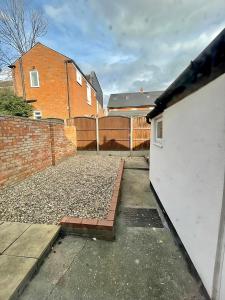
[143,262]
[22,246]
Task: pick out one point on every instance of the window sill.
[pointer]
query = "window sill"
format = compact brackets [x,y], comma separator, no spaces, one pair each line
[89,103]
[158,144]
[35,87]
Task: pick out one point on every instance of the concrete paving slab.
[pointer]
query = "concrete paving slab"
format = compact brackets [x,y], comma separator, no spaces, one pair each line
[34,241]
[54,268]
[135,191]
[136,162]
[9,232]
[142,263]
[139,153]
[14,272]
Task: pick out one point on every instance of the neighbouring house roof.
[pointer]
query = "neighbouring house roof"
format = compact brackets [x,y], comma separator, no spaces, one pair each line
[133,99]
[129,113]
[66,57]
[92,77]
[209,65]
[6,83]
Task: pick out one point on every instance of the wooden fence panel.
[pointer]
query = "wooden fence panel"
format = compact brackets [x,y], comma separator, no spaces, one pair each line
[114,133]
[141,134]
[86,132]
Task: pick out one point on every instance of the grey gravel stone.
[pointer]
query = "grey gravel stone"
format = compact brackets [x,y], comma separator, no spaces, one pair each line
[81,186]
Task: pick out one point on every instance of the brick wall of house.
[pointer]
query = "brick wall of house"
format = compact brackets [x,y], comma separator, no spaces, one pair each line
[28,146]
[78,96]
[52,95]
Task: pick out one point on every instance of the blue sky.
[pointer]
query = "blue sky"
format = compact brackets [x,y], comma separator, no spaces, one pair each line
[132,43]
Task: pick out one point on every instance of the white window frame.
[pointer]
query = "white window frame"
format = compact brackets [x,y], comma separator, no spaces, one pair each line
[37,114]
[157,141]
[88,93]
[79,76]
[31,81]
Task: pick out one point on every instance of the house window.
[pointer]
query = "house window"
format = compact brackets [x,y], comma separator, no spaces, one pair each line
[34,78]
[158,131]
[88,94]
[37,115]
[79,77]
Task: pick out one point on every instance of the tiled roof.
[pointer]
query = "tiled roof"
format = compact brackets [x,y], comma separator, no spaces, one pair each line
[133,99]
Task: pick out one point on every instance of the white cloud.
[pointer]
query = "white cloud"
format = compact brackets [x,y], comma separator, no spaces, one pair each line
[55,12]
[200,42]
[5,74]
[132,43]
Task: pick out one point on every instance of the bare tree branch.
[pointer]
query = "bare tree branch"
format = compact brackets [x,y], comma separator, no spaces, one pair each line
[19,28]
[7,57]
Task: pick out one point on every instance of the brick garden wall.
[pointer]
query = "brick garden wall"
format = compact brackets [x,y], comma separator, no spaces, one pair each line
[63,139]
[28,146]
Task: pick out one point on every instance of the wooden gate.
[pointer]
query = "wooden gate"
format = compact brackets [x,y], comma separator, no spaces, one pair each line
[86,132]
[114,133]
[140,133]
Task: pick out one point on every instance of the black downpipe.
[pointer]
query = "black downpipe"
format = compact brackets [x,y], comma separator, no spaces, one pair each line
[22,77]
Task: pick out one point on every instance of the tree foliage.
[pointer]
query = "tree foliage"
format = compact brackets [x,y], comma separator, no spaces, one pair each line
[11,105]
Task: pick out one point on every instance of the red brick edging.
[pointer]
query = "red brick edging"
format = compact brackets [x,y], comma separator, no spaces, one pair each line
[106,224]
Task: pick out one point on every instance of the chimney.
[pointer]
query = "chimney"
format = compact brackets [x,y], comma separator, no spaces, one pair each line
[141,90]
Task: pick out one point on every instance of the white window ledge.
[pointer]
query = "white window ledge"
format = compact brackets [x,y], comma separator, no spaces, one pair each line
[158,144]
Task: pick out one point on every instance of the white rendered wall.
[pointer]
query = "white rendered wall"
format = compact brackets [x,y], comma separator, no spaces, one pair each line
[188,172]
[222,290]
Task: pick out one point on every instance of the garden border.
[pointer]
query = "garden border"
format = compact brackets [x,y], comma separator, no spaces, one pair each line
[99,228]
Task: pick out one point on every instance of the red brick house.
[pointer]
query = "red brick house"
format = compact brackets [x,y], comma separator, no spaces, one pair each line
[54,85]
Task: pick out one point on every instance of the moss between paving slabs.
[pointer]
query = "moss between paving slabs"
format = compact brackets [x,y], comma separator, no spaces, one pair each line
[80,186]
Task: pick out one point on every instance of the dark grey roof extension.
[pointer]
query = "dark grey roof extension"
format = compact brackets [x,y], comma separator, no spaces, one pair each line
[129,113]
[209,65]
[92,77]
[133,99]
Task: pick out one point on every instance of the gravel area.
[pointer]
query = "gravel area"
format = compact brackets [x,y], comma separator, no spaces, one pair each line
[81,186]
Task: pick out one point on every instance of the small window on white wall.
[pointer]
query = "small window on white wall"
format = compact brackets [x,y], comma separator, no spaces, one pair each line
[34,78]
[79,77]
[88,94]
[158,130]
[37,115]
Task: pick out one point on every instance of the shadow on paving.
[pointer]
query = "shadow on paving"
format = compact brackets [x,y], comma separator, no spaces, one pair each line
[142,263]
